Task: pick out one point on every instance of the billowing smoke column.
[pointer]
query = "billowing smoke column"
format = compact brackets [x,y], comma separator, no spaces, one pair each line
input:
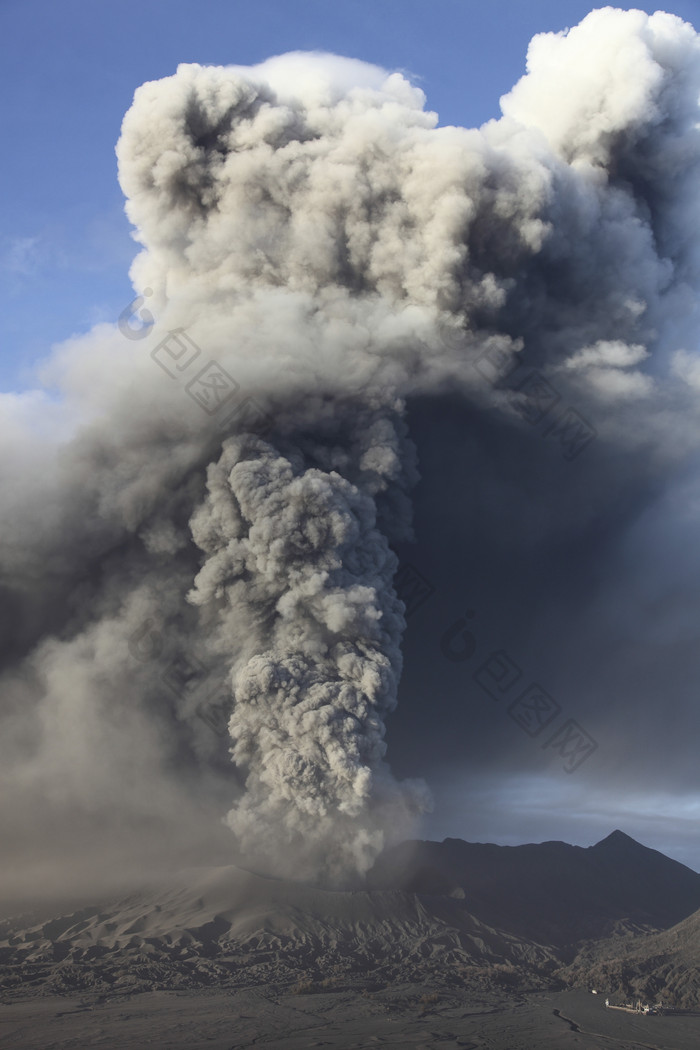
[317,236]
[294,553]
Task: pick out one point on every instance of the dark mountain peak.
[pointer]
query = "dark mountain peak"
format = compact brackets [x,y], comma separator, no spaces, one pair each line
[549,892]
[617,838]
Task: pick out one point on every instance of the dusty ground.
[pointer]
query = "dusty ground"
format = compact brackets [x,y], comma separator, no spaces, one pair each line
[344,1019]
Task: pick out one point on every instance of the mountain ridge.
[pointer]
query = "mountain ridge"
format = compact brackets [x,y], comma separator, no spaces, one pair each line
[550,892]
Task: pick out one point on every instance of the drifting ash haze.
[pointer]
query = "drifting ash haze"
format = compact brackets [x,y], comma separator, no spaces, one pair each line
[312,231]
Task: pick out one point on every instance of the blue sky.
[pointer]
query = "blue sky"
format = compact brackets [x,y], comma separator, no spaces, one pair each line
[69,71]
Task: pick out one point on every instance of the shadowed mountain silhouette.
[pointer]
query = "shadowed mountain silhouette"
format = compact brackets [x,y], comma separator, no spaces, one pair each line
[549,892]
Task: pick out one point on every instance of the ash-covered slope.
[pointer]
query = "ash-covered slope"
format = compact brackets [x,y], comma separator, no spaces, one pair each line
[452,912]
[662,966]
[549,892]
[230,927]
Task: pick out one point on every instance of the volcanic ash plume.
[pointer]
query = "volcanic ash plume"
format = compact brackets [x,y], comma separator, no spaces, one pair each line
[294,552]
[313,232]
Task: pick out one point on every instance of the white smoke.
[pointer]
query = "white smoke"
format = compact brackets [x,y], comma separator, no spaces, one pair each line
[316,234]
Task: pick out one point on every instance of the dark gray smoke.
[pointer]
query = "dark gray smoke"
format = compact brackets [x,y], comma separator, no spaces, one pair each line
[319,245]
